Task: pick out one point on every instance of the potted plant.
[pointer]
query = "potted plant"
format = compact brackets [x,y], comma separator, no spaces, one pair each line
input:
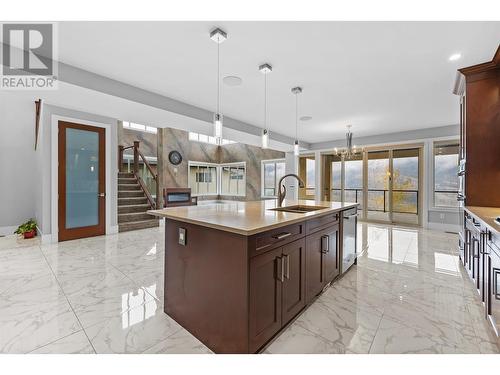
[28,229]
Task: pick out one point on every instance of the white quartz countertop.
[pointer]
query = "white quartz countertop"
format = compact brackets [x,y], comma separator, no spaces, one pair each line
[487,215]
[247,218]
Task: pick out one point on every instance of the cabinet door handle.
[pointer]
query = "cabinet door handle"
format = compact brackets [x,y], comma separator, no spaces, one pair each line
[325,244]
[282,235]
[280,271]
[287,266]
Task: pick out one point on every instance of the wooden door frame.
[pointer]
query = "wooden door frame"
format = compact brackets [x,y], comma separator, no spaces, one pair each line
[89,231]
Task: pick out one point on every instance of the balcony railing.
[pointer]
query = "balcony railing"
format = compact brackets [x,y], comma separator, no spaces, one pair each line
[407,205]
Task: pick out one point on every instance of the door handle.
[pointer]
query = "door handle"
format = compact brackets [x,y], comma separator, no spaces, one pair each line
[280,272]
[287,266]
[282,235]
[325,244]
[101,195]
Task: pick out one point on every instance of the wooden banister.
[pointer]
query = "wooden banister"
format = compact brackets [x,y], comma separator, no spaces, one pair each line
[138,154]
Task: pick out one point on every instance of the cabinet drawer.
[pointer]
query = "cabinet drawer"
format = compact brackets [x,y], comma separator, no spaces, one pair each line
[262,242]
[315,224]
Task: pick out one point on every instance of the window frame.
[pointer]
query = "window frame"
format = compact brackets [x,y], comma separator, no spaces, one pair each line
[233,164]
[262,177]
[433,176]
[204,164]
[218,172]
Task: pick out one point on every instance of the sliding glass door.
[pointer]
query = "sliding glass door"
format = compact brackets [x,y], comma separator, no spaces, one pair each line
[378,186]
[385,182]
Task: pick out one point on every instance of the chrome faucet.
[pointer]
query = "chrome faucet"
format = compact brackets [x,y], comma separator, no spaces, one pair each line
[282,193]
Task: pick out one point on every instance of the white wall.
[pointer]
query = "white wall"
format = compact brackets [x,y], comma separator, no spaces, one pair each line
[17,160]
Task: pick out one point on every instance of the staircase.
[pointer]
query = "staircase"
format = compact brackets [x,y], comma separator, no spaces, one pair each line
[132,205]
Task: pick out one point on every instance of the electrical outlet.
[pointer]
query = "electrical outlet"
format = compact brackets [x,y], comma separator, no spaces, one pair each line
[182,236]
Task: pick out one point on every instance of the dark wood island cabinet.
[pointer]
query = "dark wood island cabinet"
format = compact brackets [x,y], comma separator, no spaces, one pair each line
[237,273]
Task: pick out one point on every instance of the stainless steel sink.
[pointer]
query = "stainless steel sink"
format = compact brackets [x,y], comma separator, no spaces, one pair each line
[299,209]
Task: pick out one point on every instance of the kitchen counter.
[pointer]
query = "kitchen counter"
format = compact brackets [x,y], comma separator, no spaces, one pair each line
[247,218]
[487,215]
[236,273]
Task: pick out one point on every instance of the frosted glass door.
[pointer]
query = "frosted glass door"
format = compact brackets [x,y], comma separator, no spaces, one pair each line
[81,181]
[82,178]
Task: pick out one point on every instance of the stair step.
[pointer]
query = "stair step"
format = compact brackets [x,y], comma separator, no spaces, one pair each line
[130,194]
[125,227]
[128,187]
[127,201]
[129,208]
[125,175]
[133,216]
[127,181]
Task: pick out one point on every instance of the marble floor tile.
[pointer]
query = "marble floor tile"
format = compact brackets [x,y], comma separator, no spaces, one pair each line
[104,301]
[76,343]
[408,293]
[28,322]
[181,342]
[396,338]
[298,340]
[134,331]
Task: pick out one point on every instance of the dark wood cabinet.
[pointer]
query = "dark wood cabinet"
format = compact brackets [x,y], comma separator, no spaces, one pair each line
[235,292]
[294,280]
[277,290]
[322,259]
[480,131]
[266,277]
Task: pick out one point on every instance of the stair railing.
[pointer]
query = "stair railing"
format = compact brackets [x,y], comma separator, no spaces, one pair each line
[138,154]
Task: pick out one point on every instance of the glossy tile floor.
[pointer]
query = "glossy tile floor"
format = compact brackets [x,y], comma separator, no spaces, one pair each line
[104,295]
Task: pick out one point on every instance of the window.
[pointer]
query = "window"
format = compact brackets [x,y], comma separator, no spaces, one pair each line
[445,174]
[139,127]
[198,137]
[202,178]
[233,179]
[307,171]
[217,179]
[272,171]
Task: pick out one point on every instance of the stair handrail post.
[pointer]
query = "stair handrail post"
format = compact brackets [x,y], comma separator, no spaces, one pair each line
[120,158]
[158,196]
[136,157]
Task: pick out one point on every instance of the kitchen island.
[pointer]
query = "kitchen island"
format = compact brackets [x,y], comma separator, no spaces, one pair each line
[236,273]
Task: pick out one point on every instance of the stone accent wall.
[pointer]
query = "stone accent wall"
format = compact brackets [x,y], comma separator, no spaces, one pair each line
[253,156]
[177,176]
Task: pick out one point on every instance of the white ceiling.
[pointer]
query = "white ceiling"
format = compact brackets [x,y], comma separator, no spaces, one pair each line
[381,77]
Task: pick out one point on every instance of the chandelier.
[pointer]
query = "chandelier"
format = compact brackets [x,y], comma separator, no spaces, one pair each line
[350,151]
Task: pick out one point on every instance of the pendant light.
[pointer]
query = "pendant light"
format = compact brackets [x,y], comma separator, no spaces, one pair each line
[265,69]
[296,91]
[218,36]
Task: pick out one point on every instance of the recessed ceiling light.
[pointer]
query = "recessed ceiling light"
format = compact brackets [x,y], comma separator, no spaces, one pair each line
[455,57]
[305,118]
[232,81]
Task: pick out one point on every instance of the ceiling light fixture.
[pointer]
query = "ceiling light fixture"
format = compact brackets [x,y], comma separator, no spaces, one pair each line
[455,57]
[265,69]
[218,36]
[350,151]
[296,91]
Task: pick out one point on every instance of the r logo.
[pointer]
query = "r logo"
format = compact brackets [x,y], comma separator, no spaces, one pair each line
[28,49]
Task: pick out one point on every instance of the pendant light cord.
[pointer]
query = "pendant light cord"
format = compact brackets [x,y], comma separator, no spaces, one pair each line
[218,77]
[265,101]
[296,115]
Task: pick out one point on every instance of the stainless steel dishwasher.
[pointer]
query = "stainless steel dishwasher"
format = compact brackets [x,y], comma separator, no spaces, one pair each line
[349,231]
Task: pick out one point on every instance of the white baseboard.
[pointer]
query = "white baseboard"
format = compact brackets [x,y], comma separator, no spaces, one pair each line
[7,231]
[113,229]
[455,228]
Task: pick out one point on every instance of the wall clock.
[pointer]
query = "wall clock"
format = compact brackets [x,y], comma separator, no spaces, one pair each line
[175,157]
